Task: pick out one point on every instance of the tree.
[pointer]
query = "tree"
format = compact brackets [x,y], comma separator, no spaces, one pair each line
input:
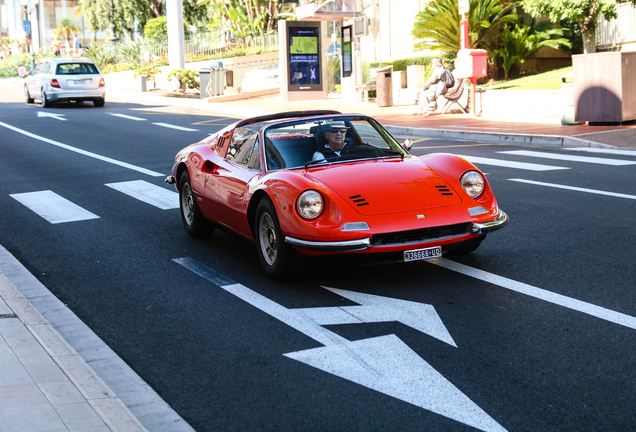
[518,42]
[437,25]
[66,28]
[583,12]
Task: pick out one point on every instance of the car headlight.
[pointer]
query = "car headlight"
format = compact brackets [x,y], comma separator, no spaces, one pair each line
[309,204]
[473,183]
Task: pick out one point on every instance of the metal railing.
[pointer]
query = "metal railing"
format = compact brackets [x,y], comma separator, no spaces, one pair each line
[228,79]
[618,31]
[217,45]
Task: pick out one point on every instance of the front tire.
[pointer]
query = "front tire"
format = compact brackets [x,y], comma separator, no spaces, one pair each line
[27,96]
[277,258]
[195,224]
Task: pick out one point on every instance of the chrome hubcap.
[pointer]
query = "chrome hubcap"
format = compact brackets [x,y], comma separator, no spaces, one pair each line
[187,203]
[268,240]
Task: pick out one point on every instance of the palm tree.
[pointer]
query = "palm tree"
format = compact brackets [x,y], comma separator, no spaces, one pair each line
[437,26]
[67,28]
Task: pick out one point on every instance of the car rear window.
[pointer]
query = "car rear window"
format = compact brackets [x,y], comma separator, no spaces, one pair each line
[76,69]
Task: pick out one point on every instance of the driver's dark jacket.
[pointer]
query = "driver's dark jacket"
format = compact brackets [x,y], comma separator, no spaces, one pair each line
[328,153]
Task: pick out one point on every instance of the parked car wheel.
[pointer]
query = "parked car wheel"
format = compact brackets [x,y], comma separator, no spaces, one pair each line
[27,96]
[277,258]
[195,224]
[99,102]
[45,102]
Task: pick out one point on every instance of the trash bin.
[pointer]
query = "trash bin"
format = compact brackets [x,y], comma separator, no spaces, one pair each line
[567,99]
[204,81]
[384,86]
[217,78]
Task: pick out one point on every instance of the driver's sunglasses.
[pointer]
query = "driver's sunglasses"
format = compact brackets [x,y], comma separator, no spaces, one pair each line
[342,131]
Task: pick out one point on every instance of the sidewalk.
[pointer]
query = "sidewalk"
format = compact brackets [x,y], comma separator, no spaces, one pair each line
[57,375]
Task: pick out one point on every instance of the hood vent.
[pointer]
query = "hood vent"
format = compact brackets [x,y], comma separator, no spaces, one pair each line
[444,190]
[358,200]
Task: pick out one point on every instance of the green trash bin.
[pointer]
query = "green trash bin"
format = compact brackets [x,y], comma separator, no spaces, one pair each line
[567,99]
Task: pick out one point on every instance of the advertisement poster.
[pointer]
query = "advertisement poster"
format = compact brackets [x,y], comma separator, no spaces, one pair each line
[346,52]
[304,58]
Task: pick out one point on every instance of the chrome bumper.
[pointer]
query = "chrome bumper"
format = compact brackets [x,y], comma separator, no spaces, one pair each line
[343,246]
[499,222]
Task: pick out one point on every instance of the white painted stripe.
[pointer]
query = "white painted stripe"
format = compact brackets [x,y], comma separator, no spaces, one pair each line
[571,158]
[510,164]
[538,293]
[128,117]
[53,207]
[166,125]
[605,151]
[84,152]
[572,188]
[147,192]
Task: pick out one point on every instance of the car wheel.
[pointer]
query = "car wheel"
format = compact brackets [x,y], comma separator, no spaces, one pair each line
[99,102]
[277,258]
[28,97]
[468,247]
[45,102]
[195,224]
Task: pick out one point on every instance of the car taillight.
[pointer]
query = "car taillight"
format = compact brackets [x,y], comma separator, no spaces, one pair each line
[55,84]
[101,82]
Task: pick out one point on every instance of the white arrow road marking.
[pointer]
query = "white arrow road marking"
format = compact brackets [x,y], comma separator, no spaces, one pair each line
[128,117]
[510,164]
[166,125]
[384,364]
[541,294]
[567,157]
[84,152]
[149,193]
[55,116]
[577,189]
[53,207]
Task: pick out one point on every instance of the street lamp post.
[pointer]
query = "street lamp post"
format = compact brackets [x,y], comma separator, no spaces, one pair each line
[29,7]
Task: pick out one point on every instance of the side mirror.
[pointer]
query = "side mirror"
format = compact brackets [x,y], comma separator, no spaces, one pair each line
[407,144]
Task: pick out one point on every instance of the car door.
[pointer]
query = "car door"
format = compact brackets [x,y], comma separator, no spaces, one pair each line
[227,185]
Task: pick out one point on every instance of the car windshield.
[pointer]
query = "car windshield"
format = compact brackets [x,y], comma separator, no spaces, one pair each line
[303,143]
[76,69]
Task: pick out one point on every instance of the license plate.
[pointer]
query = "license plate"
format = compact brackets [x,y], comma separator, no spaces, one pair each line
[81,81]
[422,254]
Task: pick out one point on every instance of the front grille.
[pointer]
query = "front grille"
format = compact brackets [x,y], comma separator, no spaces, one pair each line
[421,235]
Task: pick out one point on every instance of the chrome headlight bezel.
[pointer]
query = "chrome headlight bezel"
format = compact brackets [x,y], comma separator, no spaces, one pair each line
[310,204]
[473,183]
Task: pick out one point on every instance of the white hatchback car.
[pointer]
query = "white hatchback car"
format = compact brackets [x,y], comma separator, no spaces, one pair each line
[60,79]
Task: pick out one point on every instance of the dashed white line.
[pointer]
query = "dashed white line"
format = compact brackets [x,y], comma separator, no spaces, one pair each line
[577,189]
[52,207]
[129,117]
[605,151]
[148,193]
[166,125]
[511,164]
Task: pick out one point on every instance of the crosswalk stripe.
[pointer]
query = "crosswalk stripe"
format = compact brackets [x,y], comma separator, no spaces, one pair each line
[149,193]
[605,151]
[511,164]
[571,158]
[166,125]
[573,188]
[53,207]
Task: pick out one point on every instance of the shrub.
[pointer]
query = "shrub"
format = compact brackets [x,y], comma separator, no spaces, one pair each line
[186,77]
[117,67]
[149,71]
[101,55]
[133,51]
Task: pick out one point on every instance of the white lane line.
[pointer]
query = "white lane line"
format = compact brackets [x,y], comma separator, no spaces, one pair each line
[578,189]
[571,158]
[148,193]
[605,151]
[52,207]
[166,125]
[129,117]
[511,164]
[538,293]
[84,152]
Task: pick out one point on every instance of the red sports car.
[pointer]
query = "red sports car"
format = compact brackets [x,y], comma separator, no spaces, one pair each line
[321,182]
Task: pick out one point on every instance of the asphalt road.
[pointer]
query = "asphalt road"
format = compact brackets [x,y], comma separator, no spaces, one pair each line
[535,331]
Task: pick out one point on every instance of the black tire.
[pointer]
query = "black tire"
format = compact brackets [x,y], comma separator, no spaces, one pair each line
[99,102]
[469,247]
[45,102]
[277,258]
[195,224]
[27,95]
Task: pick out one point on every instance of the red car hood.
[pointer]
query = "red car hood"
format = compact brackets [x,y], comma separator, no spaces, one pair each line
[388,186]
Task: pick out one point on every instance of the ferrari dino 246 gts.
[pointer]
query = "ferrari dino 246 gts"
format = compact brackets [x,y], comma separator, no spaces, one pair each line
[321,182]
